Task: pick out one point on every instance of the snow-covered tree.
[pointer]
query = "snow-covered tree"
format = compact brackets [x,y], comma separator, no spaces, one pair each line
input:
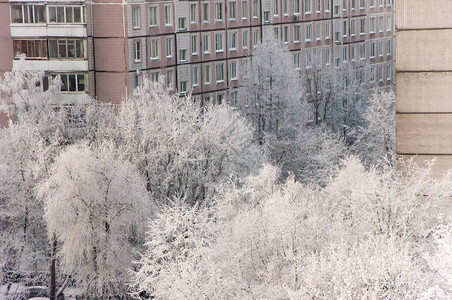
[271,93]
[376,137]
[181,148]
[96,204]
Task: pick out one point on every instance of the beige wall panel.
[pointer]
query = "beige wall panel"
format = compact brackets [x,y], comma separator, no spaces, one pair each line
[424,50]
[102,18]
[110,87]
[424,92]
[414,14]
[424,133]
[109,54]
[442,163]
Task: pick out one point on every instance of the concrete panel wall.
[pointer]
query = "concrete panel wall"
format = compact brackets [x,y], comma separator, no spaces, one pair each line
[421,14]
[424,92]
[111,87]
[424,50]
[109,54]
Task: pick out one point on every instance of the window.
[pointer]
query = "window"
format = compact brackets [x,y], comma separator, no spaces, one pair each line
[194,45]
[137,51]
[232,10]
[296,7]
[372,25]
[245,39]
[372,74]
[266,16]
[195,71]
[193,13]
[388,72]
[233,70]
[327,5]
[296,34]
[136,17]
[286,34]
[169,79]
[183,55]
[218,42]
[327,56]
[276,33]
[389,47]
[154,49]
[317,6]
[361,4]
[372,50]
[344,28]
[380,48]
[137,80]
[28,14]
[276,7]
[336,10]
[244,10]
[318,30]
[205,12]
[352,52]
[233,98]
[218,11]
[255,9]
[380,3]
[308,32]
[327,30]
[167,14]
[255,37]
[352,27]
[344,5]
[207,74]
[233,40]
[307,6]
[155,76]
[362,51]
[169,47]
[35,48]
[388,23]
[296,60]
[380,73]
[206,43]
[183,87]
[182,23]
[308,59]
[318,56]
[219,72]
[362,26]
[64,14]
[380,23]
[388,3]
[308,86]
[371,3]
[344,54]
[245,67]
[285,7]
[220,98]
[337,37]
[72,82]
[153,16]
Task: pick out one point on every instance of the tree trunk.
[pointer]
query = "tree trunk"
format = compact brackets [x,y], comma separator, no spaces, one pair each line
[53,269]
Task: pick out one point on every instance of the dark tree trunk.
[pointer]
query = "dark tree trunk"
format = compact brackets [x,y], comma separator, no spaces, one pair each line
[53,269]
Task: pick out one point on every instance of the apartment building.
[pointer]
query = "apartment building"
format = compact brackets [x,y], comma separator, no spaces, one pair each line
[103,48]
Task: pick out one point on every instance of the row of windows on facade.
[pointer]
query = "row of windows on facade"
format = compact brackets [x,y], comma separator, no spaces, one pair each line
[52,48]
[47,14]
[70,82]
[279,6]
[348,54]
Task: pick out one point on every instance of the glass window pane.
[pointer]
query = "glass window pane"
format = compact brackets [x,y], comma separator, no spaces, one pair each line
[30,52]
[53,50]
[72,86]
[45,83]
[38,50]
[64,83]
[77,15]
[17,50]
[27,14]
[62,49]
[81,82]
[79,48]
[69,15]
[71,48]
[23,46]
[40,14]
[16,14]
[52,14]
[60,14]
[44,49]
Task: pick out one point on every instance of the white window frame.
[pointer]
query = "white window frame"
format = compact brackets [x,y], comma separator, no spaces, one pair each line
[218,16]
[219,42]
[308,32]
[233,74]
[169,80]
[136,22]
[195,75]
[233,41]
[206,40]
[372,25]
[297,34]
[205,13]
[154,49]
[169,47]
[194,44]
[207,74]
[318,31]
[183,57]
[193,13]
[307,7]
[245,39]
[232,11]
[137,51]
[168,15]
[244,10]
[219,76]
[153,16]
